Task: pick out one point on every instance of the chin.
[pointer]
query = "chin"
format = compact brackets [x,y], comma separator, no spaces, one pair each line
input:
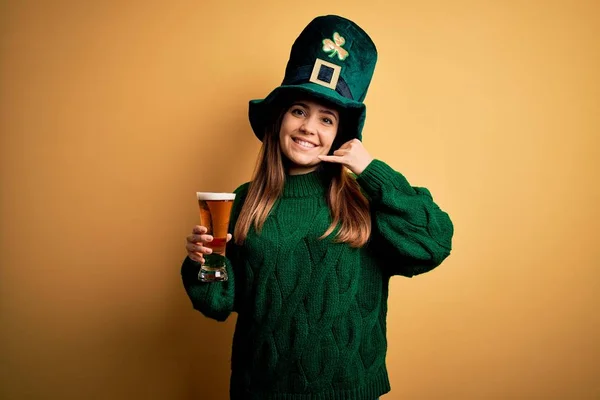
[303,163]
[301,159]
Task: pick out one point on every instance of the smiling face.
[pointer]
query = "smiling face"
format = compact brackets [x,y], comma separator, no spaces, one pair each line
[308,130]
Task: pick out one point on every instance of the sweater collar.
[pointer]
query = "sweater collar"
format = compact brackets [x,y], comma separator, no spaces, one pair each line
[304,185]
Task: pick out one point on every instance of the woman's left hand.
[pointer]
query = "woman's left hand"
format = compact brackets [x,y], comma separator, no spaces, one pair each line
[352,155]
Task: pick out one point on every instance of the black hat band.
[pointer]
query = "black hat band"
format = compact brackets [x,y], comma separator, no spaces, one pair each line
[322,73]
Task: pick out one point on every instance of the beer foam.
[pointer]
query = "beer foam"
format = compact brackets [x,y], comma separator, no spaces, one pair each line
[215,196]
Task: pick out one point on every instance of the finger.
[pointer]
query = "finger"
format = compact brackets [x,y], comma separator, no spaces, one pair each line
[205,238]
[333,159]
[196,257]
[199,229]
[199,238]
[346,145]
[229,237]
[341,152]
[350,143]
[198,248]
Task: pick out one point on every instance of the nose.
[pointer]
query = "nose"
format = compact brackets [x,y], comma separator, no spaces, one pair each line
[309,126]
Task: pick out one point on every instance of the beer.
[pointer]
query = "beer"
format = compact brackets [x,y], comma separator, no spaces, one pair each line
[215,210]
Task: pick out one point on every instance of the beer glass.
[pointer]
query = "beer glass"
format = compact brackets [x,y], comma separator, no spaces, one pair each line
[215,211]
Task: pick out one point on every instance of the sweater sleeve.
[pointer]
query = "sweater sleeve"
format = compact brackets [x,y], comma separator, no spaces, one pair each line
[410,232]
[215,300]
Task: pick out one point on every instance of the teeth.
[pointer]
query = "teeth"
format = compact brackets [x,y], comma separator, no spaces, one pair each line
[304,144]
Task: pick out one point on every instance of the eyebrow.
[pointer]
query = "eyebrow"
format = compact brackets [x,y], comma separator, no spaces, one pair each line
[321,110]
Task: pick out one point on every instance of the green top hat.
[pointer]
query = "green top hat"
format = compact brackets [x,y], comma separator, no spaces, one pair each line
[333,60]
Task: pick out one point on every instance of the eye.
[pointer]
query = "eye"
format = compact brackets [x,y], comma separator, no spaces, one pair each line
[297,111]
[328,121]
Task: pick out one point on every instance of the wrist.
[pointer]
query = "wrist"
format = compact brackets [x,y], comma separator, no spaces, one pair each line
[357,170]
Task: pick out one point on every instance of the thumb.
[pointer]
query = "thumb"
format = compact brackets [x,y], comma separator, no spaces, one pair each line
[334,159]
[229,237]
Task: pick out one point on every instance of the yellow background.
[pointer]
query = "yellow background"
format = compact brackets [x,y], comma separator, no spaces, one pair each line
[113,114]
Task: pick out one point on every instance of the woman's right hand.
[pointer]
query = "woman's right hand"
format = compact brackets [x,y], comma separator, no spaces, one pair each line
[196,243]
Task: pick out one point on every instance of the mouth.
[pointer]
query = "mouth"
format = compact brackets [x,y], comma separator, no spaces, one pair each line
[304,143]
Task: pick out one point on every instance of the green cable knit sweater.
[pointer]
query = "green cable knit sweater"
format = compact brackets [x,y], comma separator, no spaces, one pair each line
[312,313]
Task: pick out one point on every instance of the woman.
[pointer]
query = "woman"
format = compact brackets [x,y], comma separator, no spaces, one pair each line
[317,234]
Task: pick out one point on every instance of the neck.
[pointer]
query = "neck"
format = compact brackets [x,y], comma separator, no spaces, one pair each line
[305,184]
[300,170]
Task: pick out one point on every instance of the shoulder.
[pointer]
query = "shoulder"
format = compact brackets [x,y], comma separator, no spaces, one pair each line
[240,194]
[240,198]
[242,190]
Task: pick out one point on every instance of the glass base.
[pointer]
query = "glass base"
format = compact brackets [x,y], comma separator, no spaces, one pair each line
[212,274]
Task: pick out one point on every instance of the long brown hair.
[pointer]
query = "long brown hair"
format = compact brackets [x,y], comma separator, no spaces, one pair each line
[349,208]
